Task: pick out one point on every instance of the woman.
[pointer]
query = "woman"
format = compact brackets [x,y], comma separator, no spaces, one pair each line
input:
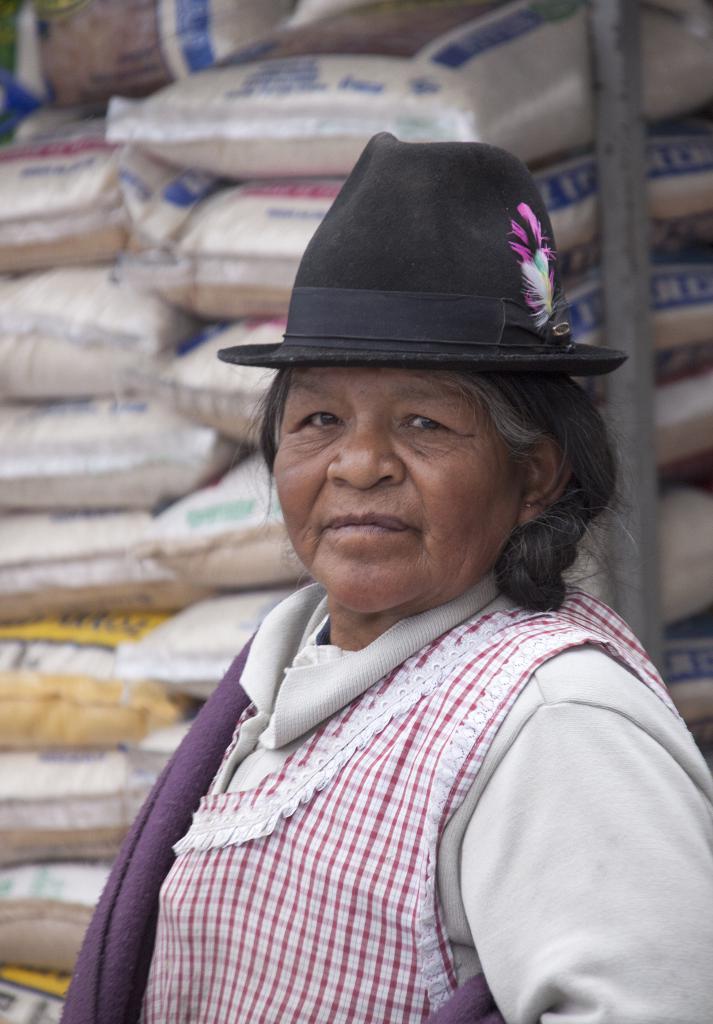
[450,776]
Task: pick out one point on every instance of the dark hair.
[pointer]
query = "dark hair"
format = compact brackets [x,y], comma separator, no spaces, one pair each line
[523,409]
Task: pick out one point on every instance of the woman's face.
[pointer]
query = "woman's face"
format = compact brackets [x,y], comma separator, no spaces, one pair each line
[397,493]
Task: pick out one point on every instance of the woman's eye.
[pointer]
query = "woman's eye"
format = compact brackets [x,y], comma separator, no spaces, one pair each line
[321,419]
[424,423]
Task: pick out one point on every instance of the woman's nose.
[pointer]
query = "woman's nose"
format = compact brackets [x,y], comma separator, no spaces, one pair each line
[366,457]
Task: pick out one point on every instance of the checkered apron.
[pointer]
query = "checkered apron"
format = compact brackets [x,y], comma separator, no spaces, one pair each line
[313,897]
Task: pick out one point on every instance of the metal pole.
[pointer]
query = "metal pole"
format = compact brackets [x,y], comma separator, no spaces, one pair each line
[620,132]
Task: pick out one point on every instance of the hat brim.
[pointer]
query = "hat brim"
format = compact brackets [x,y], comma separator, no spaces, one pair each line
[579,360]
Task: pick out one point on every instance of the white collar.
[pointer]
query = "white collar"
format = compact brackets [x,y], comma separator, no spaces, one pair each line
[298,696]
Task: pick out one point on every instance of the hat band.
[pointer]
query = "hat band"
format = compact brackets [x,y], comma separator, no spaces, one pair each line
[319,315]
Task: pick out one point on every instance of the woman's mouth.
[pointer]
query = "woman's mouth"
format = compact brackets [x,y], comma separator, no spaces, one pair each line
[368,522]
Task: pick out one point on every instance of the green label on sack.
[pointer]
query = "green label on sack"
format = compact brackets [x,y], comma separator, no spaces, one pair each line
[227,512]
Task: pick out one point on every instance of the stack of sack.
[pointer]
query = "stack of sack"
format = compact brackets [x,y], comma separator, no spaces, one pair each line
[680,191]
[127,490]
[84,456]
[227,174]
[69,786]
[141,542]
[92,706]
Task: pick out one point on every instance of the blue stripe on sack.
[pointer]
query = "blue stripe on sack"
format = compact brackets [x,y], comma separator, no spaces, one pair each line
[200,339]
[189,187]
[692,286]
[682,665]
[487,37]
[680,126]
[669,289]
[688,649]
[569,185]
[16,102]
[15,97]
[192,26]
[685,154]
[698,627]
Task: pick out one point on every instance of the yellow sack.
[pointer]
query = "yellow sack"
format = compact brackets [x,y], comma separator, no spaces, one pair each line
[59,688]
[28,995]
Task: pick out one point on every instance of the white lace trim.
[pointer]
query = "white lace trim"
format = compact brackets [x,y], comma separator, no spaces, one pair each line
[226,826]
[470,729]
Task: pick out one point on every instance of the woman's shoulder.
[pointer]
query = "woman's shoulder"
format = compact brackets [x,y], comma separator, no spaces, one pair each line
[584,688]
[582,708]
[589,674]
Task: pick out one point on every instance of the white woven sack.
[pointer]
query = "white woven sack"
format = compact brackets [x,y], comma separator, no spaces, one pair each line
[309,109]
[423,74]
[164,742]
[680,193]
[47,121]
[230,254]
[686,546]
[569,190]
[67,805]
[684,426]
[61,200]
[682,316]
[154,752]
[199,385]
[682,322]
[314,10]
[45,910]
[158,198]
[82,562]
[103,454]
[677,60]
[76,332]
[193,650]
[231,535]
[680,172]
[93,49]
[696,13]
[517,76]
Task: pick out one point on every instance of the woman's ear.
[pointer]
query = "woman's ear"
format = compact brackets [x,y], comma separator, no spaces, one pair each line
[547,473]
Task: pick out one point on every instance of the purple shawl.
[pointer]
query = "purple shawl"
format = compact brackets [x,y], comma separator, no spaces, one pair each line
[112,969]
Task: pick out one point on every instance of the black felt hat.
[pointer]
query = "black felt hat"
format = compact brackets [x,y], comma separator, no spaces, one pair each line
[433,255]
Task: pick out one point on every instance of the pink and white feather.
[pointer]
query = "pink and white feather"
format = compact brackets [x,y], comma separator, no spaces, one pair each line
[536,258]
